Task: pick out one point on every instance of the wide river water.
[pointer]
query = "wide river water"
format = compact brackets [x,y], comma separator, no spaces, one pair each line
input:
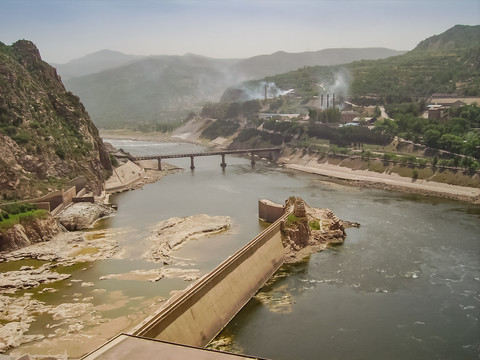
[406,284]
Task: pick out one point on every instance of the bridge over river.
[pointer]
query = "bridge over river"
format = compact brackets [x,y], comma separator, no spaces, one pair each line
[270,153]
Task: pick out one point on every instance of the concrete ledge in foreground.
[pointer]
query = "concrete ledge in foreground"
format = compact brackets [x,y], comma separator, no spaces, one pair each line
[128,347]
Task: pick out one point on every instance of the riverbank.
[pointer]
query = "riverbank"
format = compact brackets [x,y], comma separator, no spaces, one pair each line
[354,177]
[384,181]
[75,321]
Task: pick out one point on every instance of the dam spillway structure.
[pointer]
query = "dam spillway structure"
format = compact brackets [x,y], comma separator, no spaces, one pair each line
[191,319]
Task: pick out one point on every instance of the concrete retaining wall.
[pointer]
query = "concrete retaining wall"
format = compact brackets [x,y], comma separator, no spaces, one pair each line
[269,211]
[197,315]
[68,195]
[55,201]
[124,175]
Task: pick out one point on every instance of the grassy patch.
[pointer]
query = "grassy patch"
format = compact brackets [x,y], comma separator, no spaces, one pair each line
[314,225]
[291,220]
[377,167]
[21,218]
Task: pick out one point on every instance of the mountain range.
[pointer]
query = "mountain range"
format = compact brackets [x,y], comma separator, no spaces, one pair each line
[121,90]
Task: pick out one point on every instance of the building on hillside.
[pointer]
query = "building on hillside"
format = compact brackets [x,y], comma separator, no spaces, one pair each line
[348,116]
[447,102]
[437,112]
[281,117]
[365,120]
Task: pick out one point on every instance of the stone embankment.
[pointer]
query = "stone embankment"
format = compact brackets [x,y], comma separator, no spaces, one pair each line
[130,176]
[370,179]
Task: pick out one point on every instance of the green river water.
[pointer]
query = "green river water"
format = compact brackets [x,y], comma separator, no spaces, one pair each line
[406,284]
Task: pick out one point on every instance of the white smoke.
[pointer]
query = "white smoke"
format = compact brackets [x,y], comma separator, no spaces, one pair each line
[339,85]
[257,91]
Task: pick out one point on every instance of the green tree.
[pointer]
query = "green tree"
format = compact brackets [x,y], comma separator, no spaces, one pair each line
[451,143]
[431,138]
[387,127]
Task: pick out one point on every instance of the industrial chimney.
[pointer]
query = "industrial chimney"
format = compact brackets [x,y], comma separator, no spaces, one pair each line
[328,95]
[321,101]
[333,100]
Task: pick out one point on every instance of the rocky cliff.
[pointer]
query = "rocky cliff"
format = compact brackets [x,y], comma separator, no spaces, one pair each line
[308,230]
[46,136]
[28,232]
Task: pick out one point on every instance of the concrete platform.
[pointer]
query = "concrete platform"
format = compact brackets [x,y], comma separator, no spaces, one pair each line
[128,347]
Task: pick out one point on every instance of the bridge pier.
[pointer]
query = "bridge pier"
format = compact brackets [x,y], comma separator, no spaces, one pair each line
[252,157]
[159,163]
[192,164]
[223,164]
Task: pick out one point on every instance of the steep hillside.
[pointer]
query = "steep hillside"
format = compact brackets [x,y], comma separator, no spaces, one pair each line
[445,63]
[46,136]
[457,37]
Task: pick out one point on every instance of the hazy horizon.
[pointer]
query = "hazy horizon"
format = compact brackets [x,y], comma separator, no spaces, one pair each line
[67,30]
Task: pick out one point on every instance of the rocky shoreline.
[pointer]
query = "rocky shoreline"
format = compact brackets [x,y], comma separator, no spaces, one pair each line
[20,309]
[309,230]
[63,250]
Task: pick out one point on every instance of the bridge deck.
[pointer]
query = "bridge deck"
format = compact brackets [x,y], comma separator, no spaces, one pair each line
[209,153]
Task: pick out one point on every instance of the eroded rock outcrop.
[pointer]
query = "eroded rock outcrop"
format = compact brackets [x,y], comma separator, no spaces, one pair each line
[81,216]
[171,234]
[307,230]
[29,232]
[29,277]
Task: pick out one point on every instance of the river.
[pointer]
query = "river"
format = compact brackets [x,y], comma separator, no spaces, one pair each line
[406,284]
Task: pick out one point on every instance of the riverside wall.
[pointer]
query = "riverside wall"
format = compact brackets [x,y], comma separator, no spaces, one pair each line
[269,211]
[195,316]
[57,200]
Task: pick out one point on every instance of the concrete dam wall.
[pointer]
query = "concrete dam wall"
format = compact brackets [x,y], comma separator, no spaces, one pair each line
[195,316]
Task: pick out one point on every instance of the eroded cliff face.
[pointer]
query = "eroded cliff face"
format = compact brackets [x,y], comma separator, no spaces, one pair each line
[29,232]
[46,135]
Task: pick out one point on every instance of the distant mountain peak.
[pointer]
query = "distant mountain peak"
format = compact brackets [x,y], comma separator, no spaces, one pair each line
[457,37]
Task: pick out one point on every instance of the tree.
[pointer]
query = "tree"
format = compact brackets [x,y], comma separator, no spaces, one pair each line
[451,143]
[233,110]
[251,107]
[387,127]
[431,138]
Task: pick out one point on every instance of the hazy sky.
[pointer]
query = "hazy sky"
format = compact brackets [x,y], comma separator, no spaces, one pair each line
[67,29]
